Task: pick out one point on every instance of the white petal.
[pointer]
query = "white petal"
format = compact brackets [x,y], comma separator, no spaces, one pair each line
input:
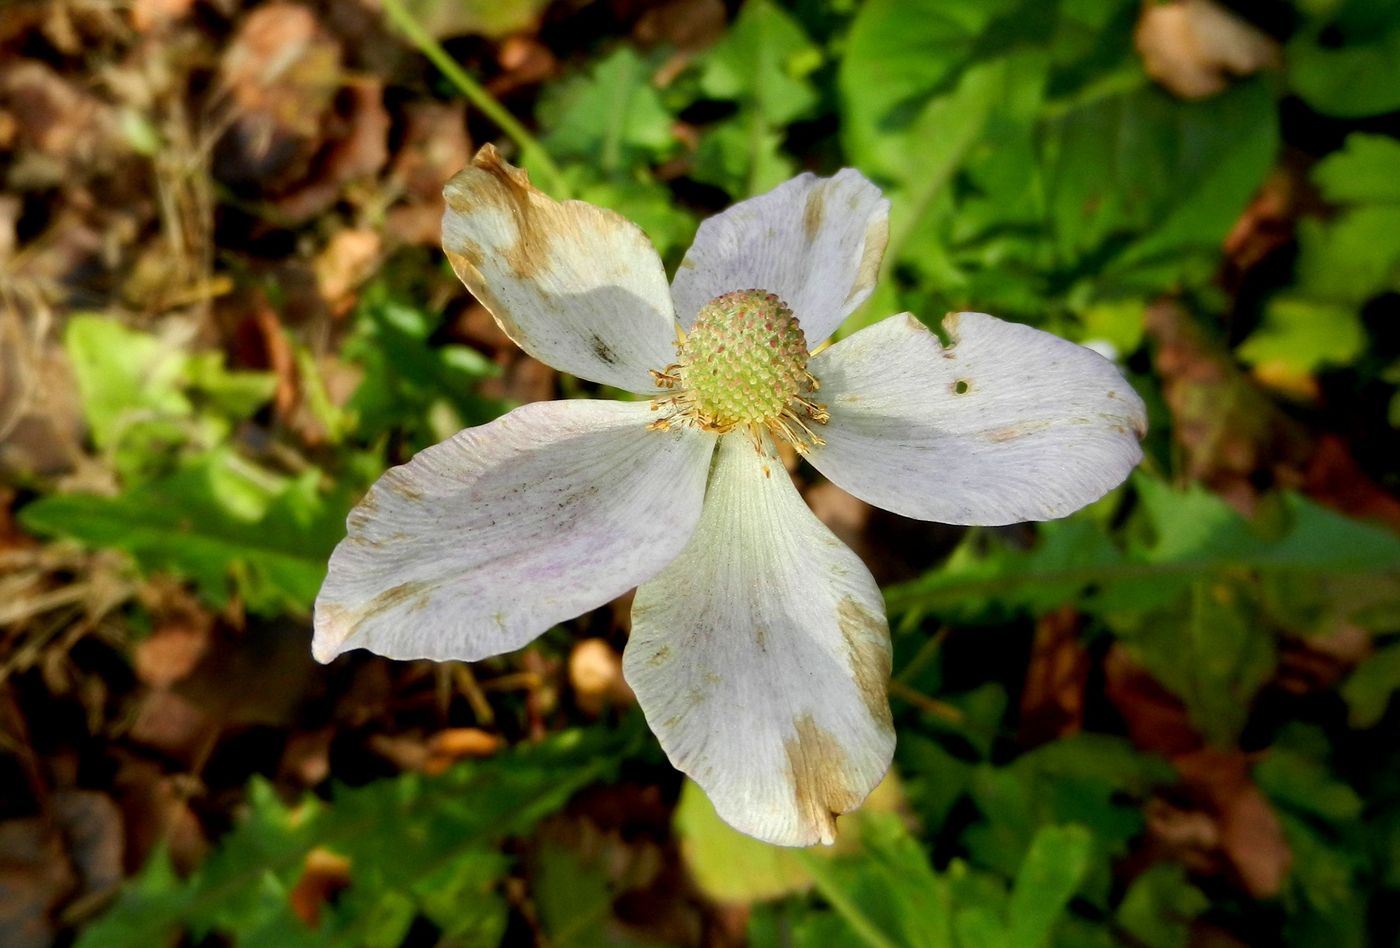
[761,658]
[1006,424]
[484,541]
[576,286]
[815,242]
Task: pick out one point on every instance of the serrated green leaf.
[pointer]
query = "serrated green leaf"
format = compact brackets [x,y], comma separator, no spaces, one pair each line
[426,391]
[612,116]
[404,837]
[124,377]
[762,62]
[1302,335]
[219,522]
[1363,172]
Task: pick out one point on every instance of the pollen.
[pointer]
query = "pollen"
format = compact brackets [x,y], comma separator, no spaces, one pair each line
[743,366]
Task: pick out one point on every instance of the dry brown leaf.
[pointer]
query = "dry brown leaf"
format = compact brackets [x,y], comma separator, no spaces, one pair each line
[448,746]
[173,725]
[170,652]
[1156,719]
[1052,703]
[525,61]
[150,15]
[323,874]
[435,147]
[595,672]
[34,879]
[1251,837]
[157,811]
[1192,46]
[356,147]
[350,258]
[280,75]
[1229,431]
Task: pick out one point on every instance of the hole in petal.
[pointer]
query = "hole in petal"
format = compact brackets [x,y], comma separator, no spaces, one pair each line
[962,387]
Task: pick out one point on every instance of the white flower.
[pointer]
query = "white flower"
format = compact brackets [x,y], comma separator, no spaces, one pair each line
[759,648]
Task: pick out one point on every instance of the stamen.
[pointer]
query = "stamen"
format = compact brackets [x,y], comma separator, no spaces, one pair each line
[742,365]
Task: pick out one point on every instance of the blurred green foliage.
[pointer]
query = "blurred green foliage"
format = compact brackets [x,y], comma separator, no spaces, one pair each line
[1036,172]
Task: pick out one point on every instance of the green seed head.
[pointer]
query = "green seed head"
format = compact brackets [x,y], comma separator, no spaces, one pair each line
[745,359]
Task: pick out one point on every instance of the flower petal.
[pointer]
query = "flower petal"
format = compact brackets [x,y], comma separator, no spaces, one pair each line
[1006,424]
[761,657]
[815,242]
[484,541]
[576,286]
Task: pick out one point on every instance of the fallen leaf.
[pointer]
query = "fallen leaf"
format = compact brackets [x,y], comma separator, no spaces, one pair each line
[435,147]
[169,653]
[1251,837]
[280,74]
[35,878]
[349,258]
[1192,47]
[1229,431]
[1052,702]
[595,672]
[150,15]
[323,874]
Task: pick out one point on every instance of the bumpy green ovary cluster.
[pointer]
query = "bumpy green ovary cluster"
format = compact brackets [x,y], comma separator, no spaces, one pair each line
[744,360]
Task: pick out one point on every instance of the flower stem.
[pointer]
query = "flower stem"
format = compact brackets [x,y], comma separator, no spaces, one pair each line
[530,149]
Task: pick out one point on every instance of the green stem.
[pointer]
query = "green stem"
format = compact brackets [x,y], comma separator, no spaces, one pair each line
[820,871]
[530,148]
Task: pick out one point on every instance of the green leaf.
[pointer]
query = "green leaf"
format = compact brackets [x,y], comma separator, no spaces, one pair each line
[762,62]
[1159,907]
[1302,335]
[899,56]
[888,894]
[1191,534]
[410,385]
[727,865]
[1351,257]
[743,156]
[125,378]
[1053,869]
[612,116]
[1209,649]
[1363,172]
[1369,689]
[1304,783]
[415,845]
[220,522]
[1352,81]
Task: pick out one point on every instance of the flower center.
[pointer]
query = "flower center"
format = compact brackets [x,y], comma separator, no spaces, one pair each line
[743,365]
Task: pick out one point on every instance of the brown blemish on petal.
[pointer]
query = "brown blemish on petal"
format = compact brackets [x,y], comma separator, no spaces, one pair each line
[817,767]
[1012,432]
[813,212]
[872,254]
[867,639]
[397,480]
[660,657]
[395,596]
[602,350]
[527,249]
[339,622]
